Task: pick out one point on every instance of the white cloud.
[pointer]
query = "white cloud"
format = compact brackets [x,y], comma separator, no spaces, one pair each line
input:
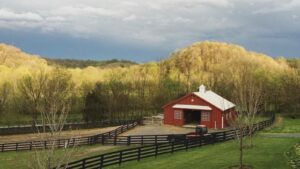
[55,19]
[130,18]
[9,15]
[279,7]
[129,3]
[83,10]
[222,3]
[182,20]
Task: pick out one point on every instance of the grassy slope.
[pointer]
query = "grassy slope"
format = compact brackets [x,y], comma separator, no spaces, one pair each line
[267,153]
[285,125]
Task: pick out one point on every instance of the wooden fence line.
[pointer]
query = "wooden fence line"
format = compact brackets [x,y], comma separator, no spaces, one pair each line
[138,153]
[24,129]
[63,143]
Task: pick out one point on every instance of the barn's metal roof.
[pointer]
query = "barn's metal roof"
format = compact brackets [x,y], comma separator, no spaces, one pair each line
[215,99]
[192,107]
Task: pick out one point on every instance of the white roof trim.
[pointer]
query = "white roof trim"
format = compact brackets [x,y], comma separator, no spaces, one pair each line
[192,107]
[215,100]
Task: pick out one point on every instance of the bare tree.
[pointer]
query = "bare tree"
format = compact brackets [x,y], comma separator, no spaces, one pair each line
[53,106]
[50,158]
[240,126]
[248,97]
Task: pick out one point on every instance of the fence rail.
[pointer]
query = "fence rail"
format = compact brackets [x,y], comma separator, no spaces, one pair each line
[63,143]
[155,139]
[27,128]
[162,145]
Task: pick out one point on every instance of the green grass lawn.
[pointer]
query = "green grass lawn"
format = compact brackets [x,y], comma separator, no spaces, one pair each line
[268,153]
[20,160]
[285,125]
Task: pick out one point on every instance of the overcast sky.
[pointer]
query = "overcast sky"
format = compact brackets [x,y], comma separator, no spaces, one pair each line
[142,30]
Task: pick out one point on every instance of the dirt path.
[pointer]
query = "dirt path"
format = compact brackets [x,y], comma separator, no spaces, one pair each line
[158,129]
[64,134]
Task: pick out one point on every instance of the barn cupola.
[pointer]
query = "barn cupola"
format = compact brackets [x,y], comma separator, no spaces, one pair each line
[202,89]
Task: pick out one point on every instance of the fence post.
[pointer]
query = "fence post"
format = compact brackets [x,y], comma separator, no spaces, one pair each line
[139,153]
[214,138]
[17,146]
[172,149]
[260,126]
[155,139]
[224,135]
[89,140]
[30,148]
[102,139]
[68,143]
[120,158]
[115,140]
[142,142]
[2,147]
[186,144]
[101,161]
[200,141]
[83,163]
[128,140]
[156,150]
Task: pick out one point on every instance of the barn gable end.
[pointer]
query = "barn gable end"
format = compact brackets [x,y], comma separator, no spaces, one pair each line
[197,109]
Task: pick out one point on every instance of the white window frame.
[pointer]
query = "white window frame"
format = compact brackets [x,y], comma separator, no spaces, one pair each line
[205,116]
[177,114]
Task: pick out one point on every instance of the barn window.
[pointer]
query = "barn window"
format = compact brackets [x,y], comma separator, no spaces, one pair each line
[178,114]
[205,116]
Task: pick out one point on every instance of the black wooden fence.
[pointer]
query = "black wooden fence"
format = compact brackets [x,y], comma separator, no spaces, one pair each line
[27,128]
[63,143]
[160,145]
[155,139]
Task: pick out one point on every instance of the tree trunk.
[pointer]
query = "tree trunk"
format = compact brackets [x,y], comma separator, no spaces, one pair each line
[251,136]
[241,150]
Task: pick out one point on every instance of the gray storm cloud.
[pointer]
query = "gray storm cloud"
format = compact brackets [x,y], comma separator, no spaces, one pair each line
[171,23]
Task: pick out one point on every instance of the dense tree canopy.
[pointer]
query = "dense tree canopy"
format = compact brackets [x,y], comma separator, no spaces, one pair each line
[141,89]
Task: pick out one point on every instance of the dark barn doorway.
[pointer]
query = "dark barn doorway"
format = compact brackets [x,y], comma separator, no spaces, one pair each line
[192,116]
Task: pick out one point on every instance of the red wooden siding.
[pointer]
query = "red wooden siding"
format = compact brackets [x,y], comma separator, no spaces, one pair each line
[215,119]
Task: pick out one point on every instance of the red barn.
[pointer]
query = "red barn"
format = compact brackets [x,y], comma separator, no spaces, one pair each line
[202,107]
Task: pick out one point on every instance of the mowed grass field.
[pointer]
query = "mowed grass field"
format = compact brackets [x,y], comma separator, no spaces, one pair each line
[268,153]
[22,160]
